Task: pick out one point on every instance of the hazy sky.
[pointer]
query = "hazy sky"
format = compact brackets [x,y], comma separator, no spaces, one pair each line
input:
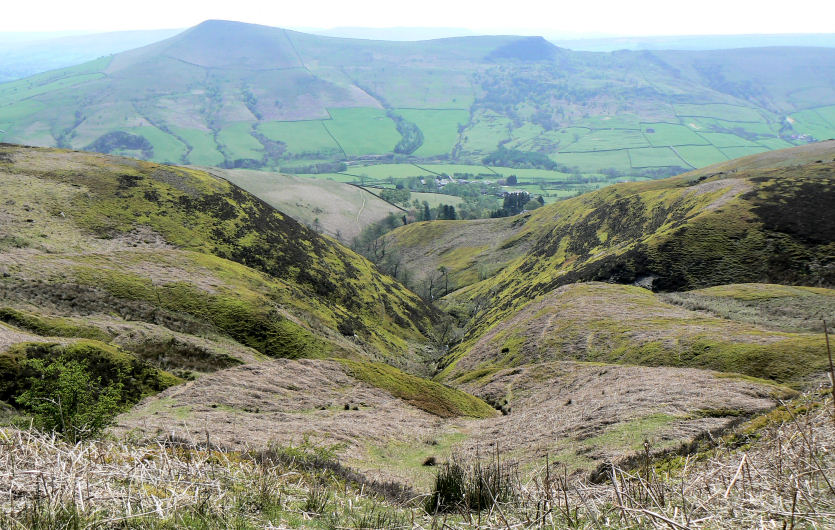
[545,17]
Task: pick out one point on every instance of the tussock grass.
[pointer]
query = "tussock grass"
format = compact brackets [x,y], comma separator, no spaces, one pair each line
[777,471]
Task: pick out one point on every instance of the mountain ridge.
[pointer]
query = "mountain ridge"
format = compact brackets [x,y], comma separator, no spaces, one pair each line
[244,96]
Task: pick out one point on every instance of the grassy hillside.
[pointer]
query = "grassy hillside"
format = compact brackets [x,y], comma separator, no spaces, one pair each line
[626,324]
[336,209]
[762,220]
[174,247]
[247,96]
[755,220]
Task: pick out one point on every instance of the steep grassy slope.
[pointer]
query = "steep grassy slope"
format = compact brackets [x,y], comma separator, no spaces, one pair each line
[786,308]
[337,209]
[722,224]
[243,95]
[89,234]
[765,220]
[626,324]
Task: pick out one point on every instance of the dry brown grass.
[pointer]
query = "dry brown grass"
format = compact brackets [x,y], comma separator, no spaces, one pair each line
[584,414]
[781,479]
[576,321]
[284,401]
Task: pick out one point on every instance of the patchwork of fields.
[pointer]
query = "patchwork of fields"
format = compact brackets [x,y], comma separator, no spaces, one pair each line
[312,103]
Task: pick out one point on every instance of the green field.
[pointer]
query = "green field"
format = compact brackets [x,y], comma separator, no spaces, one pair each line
[238,142]
[484,135]
[665,134]
[300,137]
[452,169]
[654,157]
[621,121]
[531,174]
[387,171]
[167,148]
[722,140]
[736,152]
[593,162]
[439,127]
[701,155]
[203,148]
[436,199]
[363,131]
[818,123]
[605,140]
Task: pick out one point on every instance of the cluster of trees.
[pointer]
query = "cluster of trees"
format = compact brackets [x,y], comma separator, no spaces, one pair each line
[516,202]
[396,196]
[519,159]
[411,135]
[446,211]
[120,140]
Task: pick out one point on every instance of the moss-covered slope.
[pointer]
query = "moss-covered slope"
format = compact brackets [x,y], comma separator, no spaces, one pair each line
[767,220]
[92,234]
[626,324]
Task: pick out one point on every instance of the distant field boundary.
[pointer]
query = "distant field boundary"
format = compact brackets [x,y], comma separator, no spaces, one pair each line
[374,194]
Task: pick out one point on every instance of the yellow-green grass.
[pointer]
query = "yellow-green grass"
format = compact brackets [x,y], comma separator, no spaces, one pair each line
[363,130]
[685,232]
[439,128]
[50,326]
[300,136]
[409,458]
[426,395]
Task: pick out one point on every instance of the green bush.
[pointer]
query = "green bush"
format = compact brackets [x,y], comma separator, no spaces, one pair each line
[63,398]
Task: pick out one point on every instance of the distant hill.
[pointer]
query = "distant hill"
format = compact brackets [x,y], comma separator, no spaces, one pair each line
[33,54]
[239,95]
[696,42]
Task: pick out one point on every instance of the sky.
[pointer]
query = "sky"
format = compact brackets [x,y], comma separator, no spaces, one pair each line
[532,17]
